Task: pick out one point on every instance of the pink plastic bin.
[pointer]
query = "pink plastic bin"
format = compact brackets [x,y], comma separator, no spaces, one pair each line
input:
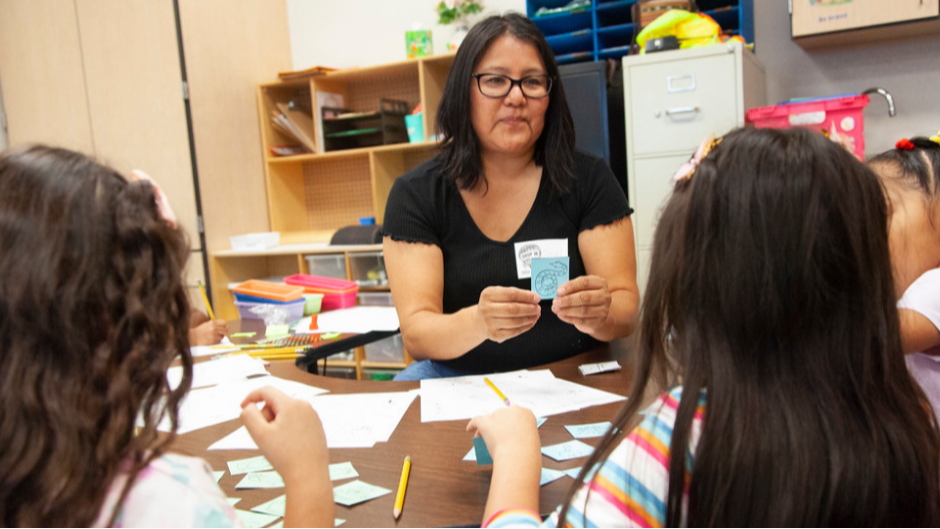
[337,293]
[845,113]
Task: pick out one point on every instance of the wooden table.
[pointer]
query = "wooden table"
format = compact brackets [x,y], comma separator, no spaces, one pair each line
[443,490]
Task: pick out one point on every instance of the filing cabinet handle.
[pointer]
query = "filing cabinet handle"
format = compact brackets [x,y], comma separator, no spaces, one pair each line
[680,111]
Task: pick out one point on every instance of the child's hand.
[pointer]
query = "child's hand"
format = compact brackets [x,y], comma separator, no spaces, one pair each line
[508,432]
[288,432]
[583,302]
[163,204]
[208,333]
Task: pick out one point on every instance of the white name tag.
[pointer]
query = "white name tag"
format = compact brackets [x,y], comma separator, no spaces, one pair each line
[526,250]
[602,367]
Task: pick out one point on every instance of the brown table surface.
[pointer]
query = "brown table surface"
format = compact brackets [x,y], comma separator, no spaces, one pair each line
[442,490]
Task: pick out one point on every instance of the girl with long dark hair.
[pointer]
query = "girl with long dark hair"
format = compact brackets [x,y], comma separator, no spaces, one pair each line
[770,318]
[92,312]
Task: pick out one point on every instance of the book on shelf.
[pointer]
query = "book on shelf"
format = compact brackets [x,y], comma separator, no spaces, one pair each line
[297,124]
[309,72]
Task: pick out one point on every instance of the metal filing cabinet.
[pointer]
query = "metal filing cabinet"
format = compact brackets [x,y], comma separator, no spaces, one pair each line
[672,101]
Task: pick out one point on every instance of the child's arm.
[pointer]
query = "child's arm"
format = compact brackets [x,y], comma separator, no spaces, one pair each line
[289,433]
[917,332]
[919,312]
[512,438]
[208,333]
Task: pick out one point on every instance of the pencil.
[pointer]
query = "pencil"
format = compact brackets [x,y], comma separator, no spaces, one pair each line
[402,484]
[277,351]
[202,290]
[498,392]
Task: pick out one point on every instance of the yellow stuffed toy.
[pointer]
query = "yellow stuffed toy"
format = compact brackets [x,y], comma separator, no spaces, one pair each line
[691,29]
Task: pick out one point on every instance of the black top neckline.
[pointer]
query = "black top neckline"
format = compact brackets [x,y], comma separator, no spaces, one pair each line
[512,239]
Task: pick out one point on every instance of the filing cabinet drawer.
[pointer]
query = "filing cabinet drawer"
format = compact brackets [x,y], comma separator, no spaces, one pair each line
[677,103]
[653,184]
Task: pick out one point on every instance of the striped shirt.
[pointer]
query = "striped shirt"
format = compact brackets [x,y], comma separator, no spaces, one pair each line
[630,487]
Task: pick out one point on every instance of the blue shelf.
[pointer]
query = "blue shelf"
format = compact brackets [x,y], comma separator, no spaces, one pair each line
[606,29]
[572,42]
[575,57]
[614,4]
[562,23]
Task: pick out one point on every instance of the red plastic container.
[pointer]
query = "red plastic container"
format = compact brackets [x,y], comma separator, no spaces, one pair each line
[843,113]
[337,293]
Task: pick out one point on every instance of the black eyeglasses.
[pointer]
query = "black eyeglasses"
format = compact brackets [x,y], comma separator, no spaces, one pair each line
[496,85]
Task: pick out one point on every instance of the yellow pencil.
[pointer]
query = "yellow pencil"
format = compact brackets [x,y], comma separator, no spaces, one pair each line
[498,392]
[278,351]
[202,290]
[402,484]
[276,357]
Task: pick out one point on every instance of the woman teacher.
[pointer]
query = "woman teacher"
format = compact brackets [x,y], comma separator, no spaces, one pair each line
[463,231]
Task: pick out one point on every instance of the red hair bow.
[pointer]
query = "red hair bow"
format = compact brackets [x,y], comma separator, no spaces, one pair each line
[904,144]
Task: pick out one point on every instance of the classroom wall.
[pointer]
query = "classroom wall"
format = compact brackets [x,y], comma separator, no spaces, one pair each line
[349,33]
[909,69]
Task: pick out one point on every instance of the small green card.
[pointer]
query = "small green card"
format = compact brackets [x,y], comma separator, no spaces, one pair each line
[277,330]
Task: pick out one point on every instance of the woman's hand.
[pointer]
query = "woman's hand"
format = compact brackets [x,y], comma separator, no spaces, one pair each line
[507,312]
[584,302]
[288,432]
[508,433]
[208,333]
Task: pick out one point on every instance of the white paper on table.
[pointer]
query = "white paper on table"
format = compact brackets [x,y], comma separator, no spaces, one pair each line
[225,346]
[210,406]
[358,320]
[457,398]
[240,439]
[213,372]
[361,420]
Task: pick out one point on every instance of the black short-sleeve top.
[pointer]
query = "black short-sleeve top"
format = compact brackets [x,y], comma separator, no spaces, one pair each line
[425,207]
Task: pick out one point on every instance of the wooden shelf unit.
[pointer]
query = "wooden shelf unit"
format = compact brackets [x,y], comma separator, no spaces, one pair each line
[231,266]
[325,191]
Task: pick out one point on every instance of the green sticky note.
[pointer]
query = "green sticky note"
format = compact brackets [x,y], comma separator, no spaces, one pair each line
[275,507]
[340,471]
[243,335]
[261,480]
[357,492]
[277,330]
[329,335]
[217,474]
[254,519]
[482,452]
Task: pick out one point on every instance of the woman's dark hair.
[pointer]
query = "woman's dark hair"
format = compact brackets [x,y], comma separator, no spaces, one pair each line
[92,311]
[917,168]
[461,161]
[771,286]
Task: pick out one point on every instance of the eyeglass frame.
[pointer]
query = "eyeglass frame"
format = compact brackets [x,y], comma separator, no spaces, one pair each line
[513,83]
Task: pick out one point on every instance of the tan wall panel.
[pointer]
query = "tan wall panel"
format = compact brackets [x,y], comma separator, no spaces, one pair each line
[231,47]
[41,74]
[137,111]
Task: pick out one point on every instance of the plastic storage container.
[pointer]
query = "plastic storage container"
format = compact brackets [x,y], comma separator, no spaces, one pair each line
[327,265]
[381,299]
[367,269]
[269,291]
[259,299]
[843,114]
[271,313]
[337,293]
[255,241]
[378,374]
[391,350]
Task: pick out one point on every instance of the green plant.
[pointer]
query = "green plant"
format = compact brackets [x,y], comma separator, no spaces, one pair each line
[450,11]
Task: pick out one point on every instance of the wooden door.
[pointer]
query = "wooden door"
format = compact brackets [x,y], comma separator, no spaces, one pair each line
[42,76]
